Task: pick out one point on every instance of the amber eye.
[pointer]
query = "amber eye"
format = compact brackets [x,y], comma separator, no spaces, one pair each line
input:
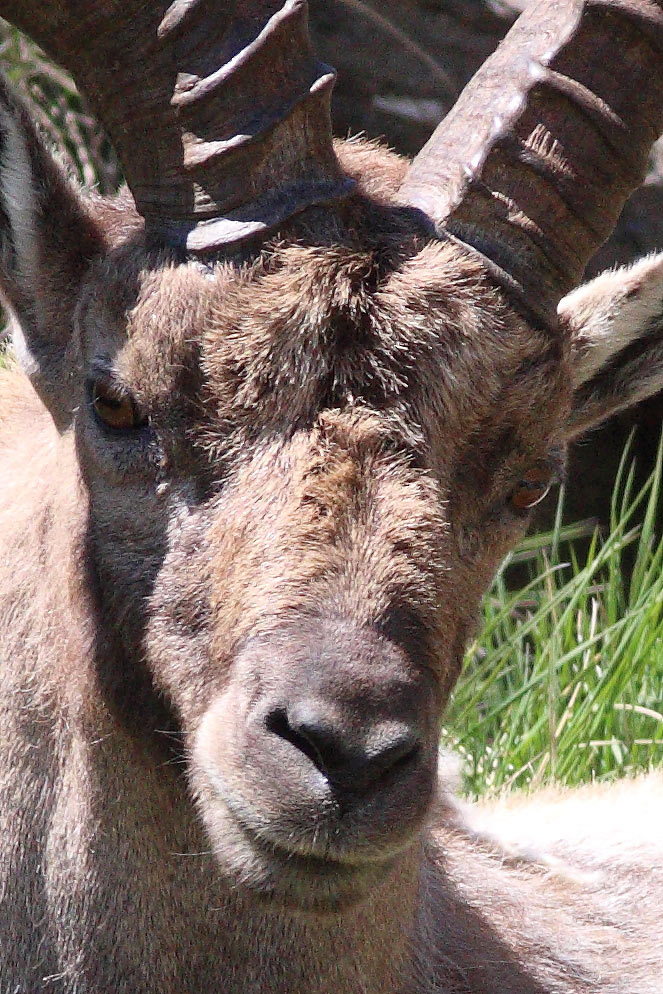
[116,411]
[532,488]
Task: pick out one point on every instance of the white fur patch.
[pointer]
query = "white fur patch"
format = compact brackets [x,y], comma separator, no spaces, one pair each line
[613,310]
[601,825]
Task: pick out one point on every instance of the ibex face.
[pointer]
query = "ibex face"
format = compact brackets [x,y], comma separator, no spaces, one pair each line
[305,460]
[289,528]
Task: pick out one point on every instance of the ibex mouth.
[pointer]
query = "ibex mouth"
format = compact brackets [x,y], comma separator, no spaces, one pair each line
[309,883]
[322,861]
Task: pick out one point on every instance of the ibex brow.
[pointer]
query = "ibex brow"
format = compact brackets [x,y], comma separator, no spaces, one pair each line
[275,416]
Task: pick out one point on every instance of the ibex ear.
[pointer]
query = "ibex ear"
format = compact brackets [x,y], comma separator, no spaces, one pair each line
[616,327]
[47,240]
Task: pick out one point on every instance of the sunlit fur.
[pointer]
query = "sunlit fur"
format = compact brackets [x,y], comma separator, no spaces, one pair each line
[336,425]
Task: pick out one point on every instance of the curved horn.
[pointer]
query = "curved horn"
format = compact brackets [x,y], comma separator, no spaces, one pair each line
[219,112]
[534,163]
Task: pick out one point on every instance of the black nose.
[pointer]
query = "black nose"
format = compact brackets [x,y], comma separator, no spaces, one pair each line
[353,762]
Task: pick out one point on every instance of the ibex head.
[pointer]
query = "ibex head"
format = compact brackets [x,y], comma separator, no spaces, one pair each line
[314,392]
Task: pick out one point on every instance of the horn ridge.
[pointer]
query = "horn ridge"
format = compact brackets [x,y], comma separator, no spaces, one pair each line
[201,154]
[517,222]
[556,176]
[596,110]
[179,16]
[266,46]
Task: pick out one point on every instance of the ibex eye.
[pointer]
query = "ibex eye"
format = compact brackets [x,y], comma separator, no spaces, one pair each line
[532,488]
[115,410]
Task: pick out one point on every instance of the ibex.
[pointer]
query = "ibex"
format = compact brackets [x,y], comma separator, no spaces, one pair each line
[280,414]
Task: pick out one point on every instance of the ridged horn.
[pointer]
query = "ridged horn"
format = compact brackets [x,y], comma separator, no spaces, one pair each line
[219,112]
[533,164]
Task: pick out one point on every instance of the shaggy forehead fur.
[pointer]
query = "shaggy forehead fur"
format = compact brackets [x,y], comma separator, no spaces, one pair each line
[361,309]
[422,341]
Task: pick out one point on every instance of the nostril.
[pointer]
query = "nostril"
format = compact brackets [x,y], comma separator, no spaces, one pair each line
[278,724]
[395,757]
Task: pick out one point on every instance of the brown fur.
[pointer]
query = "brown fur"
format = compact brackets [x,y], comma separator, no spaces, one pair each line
[336,424]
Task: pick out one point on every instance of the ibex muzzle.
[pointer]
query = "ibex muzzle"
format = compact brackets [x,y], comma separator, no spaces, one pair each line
[323,747]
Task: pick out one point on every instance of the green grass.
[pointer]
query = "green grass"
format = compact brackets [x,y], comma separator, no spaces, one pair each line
[565,681]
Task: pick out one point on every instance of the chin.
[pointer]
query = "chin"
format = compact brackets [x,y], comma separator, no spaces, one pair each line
[281,878]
